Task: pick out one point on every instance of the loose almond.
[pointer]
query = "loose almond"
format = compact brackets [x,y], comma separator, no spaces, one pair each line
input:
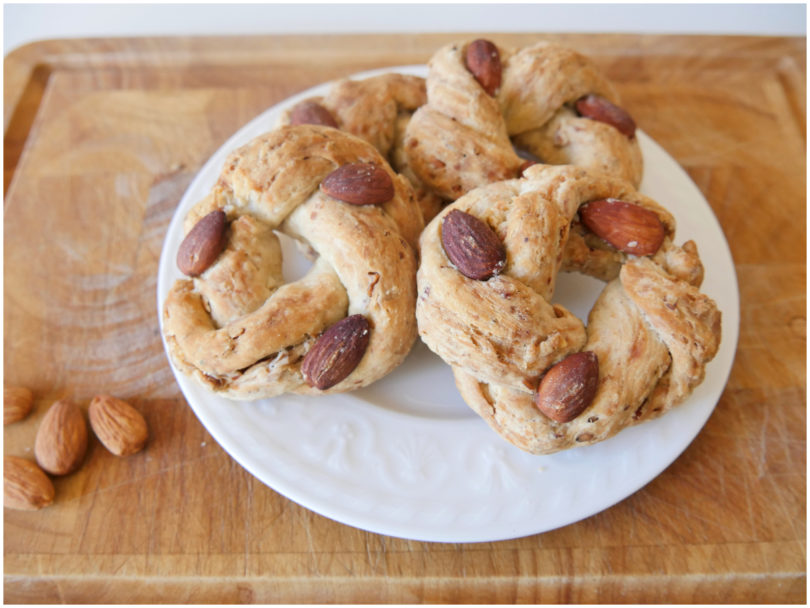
[630,228]
[569,387]
[17,403]
[25,485]
[599,108]
[61,440]
[202,244]
[484,62]
[472,246]
[359,184]
[119,426]
[312,113]
[336,352]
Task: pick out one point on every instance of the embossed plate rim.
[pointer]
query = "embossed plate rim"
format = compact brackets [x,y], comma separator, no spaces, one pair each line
[451,479]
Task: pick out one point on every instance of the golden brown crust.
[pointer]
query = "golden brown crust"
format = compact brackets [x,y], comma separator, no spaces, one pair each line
[458,141]
[238,327]
[463,137]
[651,329]
[378,109]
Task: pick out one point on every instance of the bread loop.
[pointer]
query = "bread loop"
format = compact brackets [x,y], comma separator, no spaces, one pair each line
[376,109]
[546,100]
[237,326]
[526,364]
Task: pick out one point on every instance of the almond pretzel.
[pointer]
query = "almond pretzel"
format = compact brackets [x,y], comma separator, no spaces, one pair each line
[243,332]
[651,329]
[466,134]
[376,109]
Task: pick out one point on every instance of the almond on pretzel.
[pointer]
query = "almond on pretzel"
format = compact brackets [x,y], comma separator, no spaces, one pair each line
[238,328]
[489,109]
[541,378]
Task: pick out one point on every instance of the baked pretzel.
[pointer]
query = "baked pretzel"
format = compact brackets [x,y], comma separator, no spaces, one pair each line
[238,328]
[489,109]
[376,109]
[529,367]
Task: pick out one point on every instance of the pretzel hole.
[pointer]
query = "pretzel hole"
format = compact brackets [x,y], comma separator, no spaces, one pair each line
[577,293]
[295,263]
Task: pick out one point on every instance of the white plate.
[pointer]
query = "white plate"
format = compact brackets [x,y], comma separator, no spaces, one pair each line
[406,457]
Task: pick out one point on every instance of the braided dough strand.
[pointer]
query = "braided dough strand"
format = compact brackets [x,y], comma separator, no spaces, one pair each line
[458,140]
[239,328]
[463,137]
[651,328]
[378,109]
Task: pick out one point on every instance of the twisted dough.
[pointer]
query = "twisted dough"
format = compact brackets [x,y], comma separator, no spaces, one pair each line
[464,137]
[376,109]
[651,329]
[238,328]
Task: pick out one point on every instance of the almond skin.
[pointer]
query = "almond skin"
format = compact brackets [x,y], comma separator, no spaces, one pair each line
[484,62]
[628,227]
[25,485]
[203,244]
[119,426]
[17,403]
[529,160]
[599,108]
[312,113]
[472,246]
[525,165]
[359,184]
[569,387]
[61,440]
[336,352]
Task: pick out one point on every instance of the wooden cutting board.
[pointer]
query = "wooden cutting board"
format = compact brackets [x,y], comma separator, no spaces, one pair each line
[101,139]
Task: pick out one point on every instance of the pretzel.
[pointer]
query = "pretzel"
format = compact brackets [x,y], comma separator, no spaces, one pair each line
[525,364]
[489,109]
[376,109]
[236,327]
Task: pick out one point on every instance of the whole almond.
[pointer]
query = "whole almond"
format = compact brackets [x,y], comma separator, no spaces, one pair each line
[336,352]
[599,108]
[630,228]
[203,244]
[359,184]
[472,246]
[17,403]
[569,387]
[484,62]
[311,113]
[61,440]
[119,426]
[25,485]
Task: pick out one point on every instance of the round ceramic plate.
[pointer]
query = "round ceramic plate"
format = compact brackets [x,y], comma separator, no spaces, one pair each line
[406,457]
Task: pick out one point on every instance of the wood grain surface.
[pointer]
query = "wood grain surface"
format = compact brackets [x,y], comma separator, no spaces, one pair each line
[101,139]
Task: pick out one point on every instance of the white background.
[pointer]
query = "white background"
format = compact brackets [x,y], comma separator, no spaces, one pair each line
[29,22]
